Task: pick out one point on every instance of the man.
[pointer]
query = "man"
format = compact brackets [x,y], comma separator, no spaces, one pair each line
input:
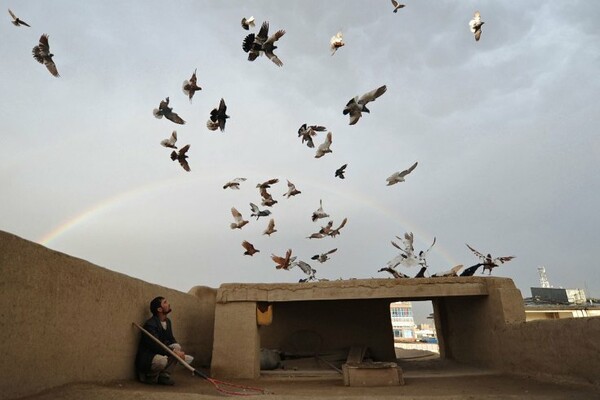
[152,362]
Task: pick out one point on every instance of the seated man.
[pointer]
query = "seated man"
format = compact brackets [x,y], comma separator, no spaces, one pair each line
[152,362]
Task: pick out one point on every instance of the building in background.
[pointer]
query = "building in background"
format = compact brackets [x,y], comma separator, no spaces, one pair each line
[403,323]
[548,302]
[557,303]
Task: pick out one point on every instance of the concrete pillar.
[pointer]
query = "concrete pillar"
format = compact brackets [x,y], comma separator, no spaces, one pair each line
[236,347]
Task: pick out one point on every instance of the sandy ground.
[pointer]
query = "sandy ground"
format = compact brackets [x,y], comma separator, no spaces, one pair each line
[428,379]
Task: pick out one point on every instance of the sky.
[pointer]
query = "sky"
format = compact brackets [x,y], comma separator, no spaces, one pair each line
[505,132]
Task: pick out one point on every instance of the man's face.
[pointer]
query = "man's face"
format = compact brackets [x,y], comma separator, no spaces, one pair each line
[165,306]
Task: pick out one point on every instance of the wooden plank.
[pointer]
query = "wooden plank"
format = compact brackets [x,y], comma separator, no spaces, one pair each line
[356,354]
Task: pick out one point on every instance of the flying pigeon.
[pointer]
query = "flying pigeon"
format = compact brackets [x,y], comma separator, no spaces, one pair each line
[339,173]
[252,43]
[400,259]
[307,133]
[407,241]
[270,228]
[334,232]
[42,54]
[326,229]
[451,272]
[258,213]
[316,235]
[234,183]
[488,262]
[250,250]
[267,184]
[323,256]
[267,199]
[17,21]
[239,220]
[471,270]
[319,213]
[475,25]
[247,23]
[324,147]
[395,274]
[399,176]
[190,87]
[164,110]
[292,191]
[285,261]
[397,5]
[336,42]
[422,256]
[182,157]
[306,268]
[170,142]
[356,106]
[255,44]
[219,115]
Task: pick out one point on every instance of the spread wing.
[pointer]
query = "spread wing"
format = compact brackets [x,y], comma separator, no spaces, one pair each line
[409,170]
[372,95]
[344,221]
[504,259]
[331,251]
[478,254]
[236,214]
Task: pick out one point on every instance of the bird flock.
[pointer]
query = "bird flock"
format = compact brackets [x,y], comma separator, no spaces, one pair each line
[256,45]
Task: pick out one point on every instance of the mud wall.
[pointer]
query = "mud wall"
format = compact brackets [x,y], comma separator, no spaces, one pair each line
[566,350]
[66,320]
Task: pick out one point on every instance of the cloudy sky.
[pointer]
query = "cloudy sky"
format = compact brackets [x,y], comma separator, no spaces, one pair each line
[505,131]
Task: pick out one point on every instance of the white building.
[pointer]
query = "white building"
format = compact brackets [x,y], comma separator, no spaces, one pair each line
[403,322]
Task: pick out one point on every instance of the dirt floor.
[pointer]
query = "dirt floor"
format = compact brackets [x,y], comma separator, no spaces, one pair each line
[424,379]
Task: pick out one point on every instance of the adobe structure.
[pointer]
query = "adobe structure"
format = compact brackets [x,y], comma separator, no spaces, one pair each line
[71,321]
[356,312]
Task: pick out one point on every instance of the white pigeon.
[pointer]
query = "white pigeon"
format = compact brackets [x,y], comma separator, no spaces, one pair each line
[324,147]
[356,106]
[423,255]
[319,213]
[248,23]
[475,25]
[336,42]
[399,176]
[306,268]
[234,183]
[239,220]
[451,272]
[170,142]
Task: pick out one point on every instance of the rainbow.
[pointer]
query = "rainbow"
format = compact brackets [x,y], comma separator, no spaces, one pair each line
[144,190]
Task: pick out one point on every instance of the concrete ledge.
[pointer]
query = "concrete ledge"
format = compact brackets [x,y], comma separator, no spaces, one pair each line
[423,288]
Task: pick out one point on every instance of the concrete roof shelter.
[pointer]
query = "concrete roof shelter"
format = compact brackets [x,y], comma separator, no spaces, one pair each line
[347,313]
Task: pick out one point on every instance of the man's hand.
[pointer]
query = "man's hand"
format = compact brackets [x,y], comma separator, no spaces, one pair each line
[180,353]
